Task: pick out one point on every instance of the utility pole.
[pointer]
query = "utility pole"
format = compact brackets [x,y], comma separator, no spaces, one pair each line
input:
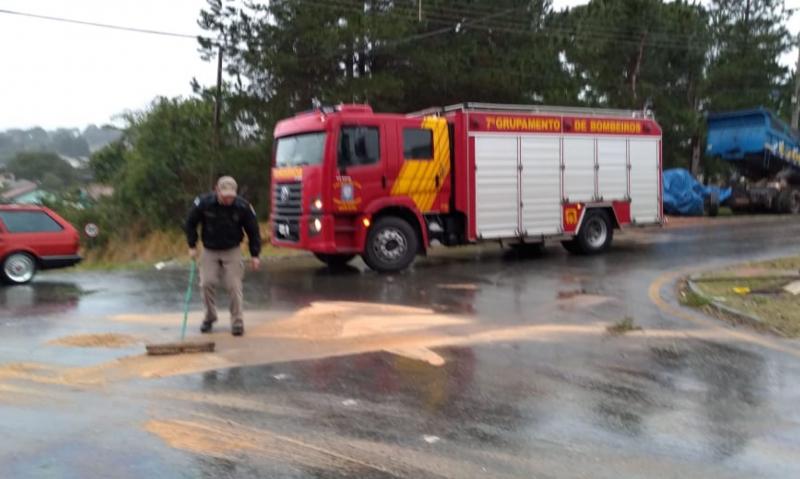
[796,96]
[419,13]
[218,101]
[216,153]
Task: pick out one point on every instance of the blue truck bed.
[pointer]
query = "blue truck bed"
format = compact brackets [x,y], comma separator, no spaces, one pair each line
[755,142]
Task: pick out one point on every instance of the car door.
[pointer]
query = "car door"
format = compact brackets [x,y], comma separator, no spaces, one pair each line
[4,245]
[36,231]
[362,163]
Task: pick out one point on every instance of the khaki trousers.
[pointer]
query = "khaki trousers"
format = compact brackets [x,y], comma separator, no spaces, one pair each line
[226,267]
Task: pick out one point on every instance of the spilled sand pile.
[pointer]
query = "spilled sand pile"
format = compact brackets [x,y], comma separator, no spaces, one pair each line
[107,340]
[228,440]
[321,330]
[341,320]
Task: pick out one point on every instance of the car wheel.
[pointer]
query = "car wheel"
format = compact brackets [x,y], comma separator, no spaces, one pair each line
[391,245]
[18,268]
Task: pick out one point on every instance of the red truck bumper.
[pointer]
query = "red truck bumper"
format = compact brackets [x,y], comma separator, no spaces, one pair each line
[320,233]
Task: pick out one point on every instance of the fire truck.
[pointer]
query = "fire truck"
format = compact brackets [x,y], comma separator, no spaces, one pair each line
[347,181]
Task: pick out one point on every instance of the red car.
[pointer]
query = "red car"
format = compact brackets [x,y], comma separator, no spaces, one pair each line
[33,238]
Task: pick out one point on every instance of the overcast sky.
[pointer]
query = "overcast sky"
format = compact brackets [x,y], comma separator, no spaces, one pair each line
[62,75]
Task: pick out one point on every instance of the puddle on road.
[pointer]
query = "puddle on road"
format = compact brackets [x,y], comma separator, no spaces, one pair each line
[581,300]
[459,286]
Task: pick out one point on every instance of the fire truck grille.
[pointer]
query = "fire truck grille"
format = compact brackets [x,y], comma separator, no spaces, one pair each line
[287,206]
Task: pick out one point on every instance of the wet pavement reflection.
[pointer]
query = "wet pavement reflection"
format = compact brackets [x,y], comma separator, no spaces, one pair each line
[674,400]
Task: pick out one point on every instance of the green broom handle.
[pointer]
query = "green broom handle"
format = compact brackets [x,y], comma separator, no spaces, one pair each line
[187,299]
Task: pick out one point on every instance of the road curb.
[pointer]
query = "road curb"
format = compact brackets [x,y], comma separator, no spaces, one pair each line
[752,320]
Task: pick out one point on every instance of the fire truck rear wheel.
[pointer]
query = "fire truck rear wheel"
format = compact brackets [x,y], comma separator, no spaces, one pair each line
[335,260]
[595,234]
[391,245]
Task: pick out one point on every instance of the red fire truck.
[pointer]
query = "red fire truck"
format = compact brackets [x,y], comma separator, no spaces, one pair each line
[348,181]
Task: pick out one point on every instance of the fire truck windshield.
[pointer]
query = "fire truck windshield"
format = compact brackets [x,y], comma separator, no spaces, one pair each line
[300,150]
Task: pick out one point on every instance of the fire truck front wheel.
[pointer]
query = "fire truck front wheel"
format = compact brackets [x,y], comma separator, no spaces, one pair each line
[594,236]
[391,245]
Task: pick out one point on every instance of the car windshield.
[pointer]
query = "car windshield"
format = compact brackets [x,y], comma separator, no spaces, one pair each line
[300,150]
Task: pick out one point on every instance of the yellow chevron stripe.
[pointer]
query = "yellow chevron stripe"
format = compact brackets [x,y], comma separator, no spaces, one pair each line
[417,177]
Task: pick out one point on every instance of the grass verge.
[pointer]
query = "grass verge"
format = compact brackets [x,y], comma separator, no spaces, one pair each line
[755,289]
[145,251]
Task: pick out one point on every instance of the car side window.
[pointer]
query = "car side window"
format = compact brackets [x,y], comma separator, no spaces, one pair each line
[29,222]
[358,146]
[417,144]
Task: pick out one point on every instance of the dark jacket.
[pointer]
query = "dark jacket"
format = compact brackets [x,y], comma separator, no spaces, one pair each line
[223,227]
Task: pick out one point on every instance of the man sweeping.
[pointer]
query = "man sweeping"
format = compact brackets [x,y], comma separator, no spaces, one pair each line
[224,218]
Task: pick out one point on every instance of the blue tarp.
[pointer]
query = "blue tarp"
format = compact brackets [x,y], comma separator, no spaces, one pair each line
[684,195]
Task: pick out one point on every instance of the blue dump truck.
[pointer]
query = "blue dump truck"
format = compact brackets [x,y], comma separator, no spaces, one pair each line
[765,153]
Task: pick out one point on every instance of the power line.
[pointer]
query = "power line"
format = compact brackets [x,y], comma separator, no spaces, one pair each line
[98,25]
[654,39]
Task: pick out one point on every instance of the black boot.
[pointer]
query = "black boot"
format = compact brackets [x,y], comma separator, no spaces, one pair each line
[207,325]
[237,328]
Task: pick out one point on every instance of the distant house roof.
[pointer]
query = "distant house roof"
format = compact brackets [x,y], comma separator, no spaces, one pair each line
[18,189]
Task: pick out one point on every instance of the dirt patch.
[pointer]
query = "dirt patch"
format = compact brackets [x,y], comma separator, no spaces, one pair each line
[30,372]
[228,440]
[17,395]
[323,330]
[233,401]
[166,319]
[107,340]
[421,354]
[203,439]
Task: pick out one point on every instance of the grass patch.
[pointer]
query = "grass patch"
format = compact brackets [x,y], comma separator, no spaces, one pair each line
[766,300]
[692,299]
[624,325]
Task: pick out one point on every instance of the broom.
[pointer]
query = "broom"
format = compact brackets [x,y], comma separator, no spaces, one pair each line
[182,346]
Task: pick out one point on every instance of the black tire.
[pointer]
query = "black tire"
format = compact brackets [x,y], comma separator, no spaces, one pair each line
[596,233]
[711,205]
[335,261]
[391,245]
[18,268]
[789,201]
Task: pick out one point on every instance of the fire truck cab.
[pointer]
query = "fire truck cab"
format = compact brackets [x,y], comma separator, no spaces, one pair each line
[347,181]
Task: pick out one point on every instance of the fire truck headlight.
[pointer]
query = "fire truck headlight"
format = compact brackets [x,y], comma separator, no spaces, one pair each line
[315,226]
[316,205]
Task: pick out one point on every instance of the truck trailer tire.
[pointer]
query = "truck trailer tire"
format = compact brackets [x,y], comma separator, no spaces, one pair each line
[335,261]
[391,245]
[711,204]
[595,235]
[789,201]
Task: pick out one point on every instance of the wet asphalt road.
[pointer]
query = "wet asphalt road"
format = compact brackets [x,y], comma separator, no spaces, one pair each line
[685,397]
